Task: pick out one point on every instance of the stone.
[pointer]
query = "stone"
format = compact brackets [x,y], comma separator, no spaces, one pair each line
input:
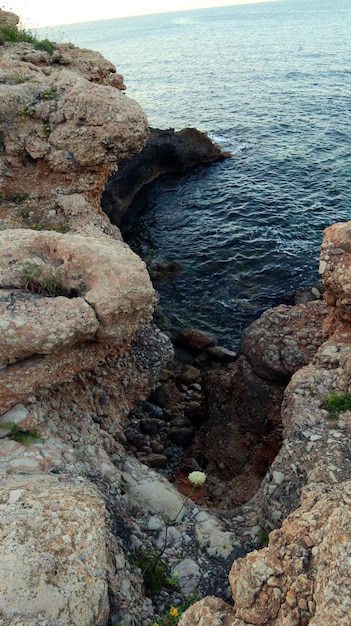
[166,151]
[181,436]
[92,126]
[222,355]
[194,340]
[159,497]
[187,574]
[189,375]
[274,354]
[45,549]
[213,538]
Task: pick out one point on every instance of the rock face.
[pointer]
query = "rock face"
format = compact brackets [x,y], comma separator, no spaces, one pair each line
[63,118]
[66,297]
[166,151]
[79,351]
[303,576]
[57,554]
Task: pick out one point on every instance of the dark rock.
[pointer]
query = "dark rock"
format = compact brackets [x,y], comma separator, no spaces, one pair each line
[188,375]
[166,396]
[135,438]
[104,400]
[154,460]
[149,426]
[195,413]
[193,340]
[151,410]
[166,151]
[156,446]
[163,271]
[181,436]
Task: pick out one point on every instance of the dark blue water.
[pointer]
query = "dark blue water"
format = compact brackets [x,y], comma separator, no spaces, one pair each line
[272,83]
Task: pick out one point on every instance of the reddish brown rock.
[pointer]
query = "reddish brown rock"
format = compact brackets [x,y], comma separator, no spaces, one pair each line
[335,267]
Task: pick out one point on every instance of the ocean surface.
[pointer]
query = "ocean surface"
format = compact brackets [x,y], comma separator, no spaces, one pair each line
[271,82]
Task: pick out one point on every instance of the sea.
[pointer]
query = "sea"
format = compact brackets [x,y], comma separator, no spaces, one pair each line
[271,83]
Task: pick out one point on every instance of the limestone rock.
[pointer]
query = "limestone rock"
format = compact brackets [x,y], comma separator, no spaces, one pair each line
[210,611]
[8,18]
[53,553]
[66,122]
[335,264]
[158,497]
[284,339]
[113,298]
[303,577]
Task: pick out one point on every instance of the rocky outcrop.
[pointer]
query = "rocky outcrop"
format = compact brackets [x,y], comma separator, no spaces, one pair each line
[63,120]
[303,576]
[166,151]
[79,351]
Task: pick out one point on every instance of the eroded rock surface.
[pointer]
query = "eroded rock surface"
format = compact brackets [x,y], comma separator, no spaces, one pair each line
[303,576]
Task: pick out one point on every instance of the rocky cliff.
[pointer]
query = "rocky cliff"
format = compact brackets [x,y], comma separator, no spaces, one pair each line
[79,351]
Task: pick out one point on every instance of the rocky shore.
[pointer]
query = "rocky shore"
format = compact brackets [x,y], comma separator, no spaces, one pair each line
[103,417]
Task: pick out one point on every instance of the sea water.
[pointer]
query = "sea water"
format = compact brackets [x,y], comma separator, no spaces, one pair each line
[270,82]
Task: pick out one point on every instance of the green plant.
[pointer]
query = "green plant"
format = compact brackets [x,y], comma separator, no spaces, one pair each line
[172,617]
[20,196]
[26,437]
[13,34]
[154,569]
[48,284]
[48,94]
[46,130]
[25,112]
[336,403]
[263,536]
[45,45]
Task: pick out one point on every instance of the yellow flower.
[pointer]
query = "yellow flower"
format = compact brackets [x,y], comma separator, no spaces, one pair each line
[174,612]
[155,624]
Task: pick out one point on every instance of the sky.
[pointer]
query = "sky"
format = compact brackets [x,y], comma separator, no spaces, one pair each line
[35,13]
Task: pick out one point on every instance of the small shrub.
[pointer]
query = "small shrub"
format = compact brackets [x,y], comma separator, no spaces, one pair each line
[45,45]
[11,34]
[48,94]
[26,437]
[155,571]
[25,112]
[46,130]
[14,35]
[336,403]
[48,284]
[263,536]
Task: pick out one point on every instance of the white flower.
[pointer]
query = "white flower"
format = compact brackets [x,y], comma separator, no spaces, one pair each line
[197,478]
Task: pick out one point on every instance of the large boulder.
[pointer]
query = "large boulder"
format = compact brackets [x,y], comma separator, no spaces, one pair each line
[66,299]
[54,555]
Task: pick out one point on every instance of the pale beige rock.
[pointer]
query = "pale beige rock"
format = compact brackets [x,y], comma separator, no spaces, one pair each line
[74,129]
[210,611]
[55,565]
[110,281]
[8,18]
